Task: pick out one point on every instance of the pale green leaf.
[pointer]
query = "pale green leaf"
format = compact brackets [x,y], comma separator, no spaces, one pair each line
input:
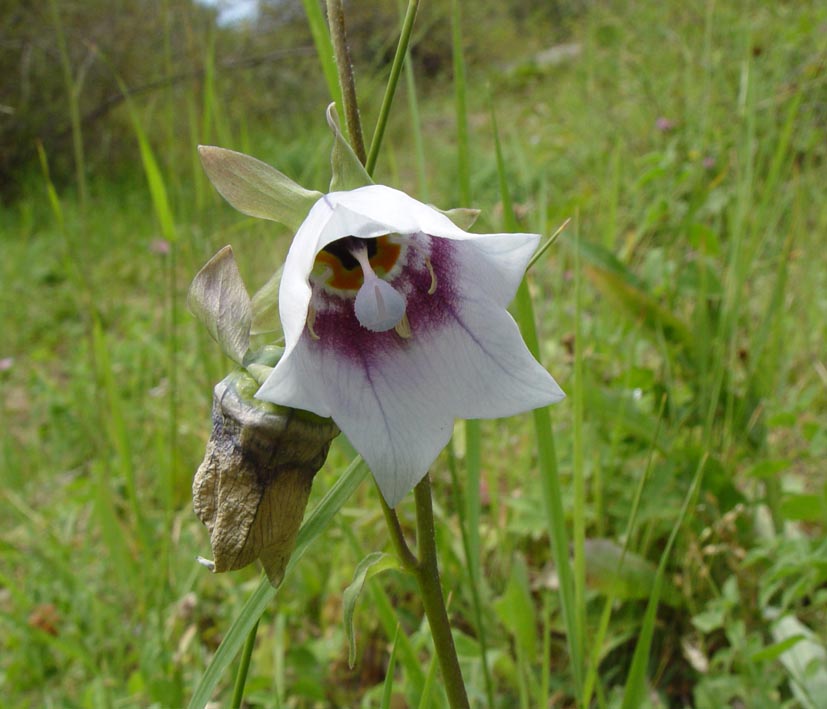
[462,217]
[266,306]
[624,576]
[805,661]
[220,301]
[373,564]
[516,610]
[255,188]
[348,172]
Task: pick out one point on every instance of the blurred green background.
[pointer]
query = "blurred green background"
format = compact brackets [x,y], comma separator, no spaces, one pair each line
[683,310]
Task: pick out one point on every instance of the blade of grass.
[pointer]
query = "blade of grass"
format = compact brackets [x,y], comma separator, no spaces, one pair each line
[390,89]
[635,691]
[324,48]
[313,526]
[469,513]
[73,87]
[166,220]
[463,158]
[472,565]
[387,688]
[114,422]
[546,454]
[244,667]
[578,467]
[416,129]
[426,701]
[605,616]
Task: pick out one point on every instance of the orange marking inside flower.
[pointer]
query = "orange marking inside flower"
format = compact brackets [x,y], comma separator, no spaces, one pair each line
[342,278]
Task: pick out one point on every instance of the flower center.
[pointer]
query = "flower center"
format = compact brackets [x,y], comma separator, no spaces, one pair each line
[379,306]
[339,270]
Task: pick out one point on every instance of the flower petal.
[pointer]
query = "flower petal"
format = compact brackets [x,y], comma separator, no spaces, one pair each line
[396,398]
[394,424]
[375,210]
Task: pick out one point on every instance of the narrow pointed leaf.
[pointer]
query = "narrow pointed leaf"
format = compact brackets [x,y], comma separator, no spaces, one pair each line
[220,301]
[348,171]
[255,188]
[373,564]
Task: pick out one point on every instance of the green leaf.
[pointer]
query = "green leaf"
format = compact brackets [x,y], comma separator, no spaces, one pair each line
[255,188]
[266,306]
[624,576]
[348,172]
[625,290]
[372,565]
[220,301]
[636,680]
[312,528]
[805,507]
[774,651]
[805,661]
[462,217]
[324,47]
[516,609]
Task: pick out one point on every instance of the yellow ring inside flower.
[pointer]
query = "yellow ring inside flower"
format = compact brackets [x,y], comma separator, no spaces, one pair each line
[341,277]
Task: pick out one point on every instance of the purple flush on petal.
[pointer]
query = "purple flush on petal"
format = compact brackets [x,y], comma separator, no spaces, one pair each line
[427,293]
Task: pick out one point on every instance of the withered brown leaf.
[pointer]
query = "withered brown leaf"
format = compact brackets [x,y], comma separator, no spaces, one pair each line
[252,487]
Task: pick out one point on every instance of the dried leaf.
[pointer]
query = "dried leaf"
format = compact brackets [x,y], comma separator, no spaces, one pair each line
[252,487]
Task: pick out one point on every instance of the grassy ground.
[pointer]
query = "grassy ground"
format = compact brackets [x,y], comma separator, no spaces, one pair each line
[683,311]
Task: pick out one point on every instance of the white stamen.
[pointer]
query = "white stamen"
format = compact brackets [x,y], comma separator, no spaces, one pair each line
[379,306]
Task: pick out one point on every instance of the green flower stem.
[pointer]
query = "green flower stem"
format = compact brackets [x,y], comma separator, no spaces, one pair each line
[427,575]
[336,20]
[243,667]
[400,544]
[393,80]
[426,572]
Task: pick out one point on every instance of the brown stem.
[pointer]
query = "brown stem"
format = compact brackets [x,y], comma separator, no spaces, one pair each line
[338,34]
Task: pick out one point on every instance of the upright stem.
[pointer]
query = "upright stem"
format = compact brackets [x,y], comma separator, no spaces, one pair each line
[336,20]
[393,80]
[427,575]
